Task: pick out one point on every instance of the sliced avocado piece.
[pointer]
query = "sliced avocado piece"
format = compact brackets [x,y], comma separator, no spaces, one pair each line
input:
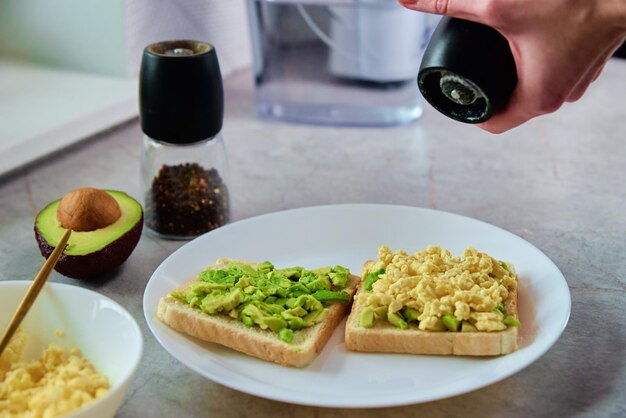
[263,319]
[380,312]
[439,325]
[244,282]
[512,321]
[371,278]
[296,323]
[275,284]
[321,283]
[291,302]
[292,273]
[468,327]
[214,302]
[297,289]
[308,276]
[396,319]
[178,295]
[265,267]
[252,311]
[275,324]
[451,322]
[268,308]
[286,335]
[298,311]
[247,321]
[410,314]
[500,308]
[251,290]
[242,270]
[339,276]
[331,296]
[204,288]
[508,267]
[322,271]
[94,252]
[221,277]
[366,319]
[315,316]
[309,303]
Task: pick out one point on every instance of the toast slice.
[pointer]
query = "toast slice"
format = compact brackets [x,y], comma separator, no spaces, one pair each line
[264,344]
[384,337]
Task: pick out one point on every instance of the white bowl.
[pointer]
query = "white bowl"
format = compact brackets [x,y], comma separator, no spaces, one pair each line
[104,331]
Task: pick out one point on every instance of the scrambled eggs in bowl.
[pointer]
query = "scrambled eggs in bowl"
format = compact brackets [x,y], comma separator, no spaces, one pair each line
[438,291]
[42,374]
[58,382]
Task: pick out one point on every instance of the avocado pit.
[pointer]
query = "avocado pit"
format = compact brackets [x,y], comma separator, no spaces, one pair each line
[88,209]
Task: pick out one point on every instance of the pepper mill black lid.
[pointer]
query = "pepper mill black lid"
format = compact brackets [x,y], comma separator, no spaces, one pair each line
[181,97]
[468,71]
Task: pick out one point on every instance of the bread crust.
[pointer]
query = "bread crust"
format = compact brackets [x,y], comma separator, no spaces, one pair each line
[264,344]
[384,337]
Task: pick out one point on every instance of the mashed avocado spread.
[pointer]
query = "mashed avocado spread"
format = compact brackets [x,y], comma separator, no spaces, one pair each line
[282,300]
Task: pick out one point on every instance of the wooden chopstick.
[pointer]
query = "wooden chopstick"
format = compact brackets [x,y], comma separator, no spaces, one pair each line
[33,291]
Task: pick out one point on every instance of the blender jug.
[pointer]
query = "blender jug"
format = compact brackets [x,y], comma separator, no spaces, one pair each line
[337,62]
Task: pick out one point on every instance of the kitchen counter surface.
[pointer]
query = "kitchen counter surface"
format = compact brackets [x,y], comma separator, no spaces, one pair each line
[559,182]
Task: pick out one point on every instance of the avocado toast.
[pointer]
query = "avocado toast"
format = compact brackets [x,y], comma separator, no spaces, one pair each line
[284,316]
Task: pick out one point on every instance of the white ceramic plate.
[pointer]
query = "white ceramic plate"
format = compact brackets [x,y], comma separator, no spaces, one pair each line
[348,235]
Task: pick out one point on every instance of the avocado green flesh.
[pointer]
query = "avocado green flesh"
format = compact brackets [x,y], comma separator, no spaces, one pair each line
[366,320]
[468,327]
[396,319]
[411,315]
[280,300]
[512,321]
[451,322]
[81,243]
[371,278]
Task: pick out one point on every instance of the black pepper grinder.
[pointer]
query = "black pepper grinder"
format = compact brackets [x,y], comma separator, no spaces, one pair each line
[184,165]
[468,71]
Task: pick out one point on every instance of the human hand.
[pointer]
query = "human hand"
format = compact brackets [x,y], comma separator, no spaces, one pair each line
[559,46]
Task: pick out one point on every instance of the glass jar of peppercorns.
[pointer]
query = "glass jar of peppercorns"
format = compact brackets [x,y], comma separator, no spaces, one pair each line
[184,165]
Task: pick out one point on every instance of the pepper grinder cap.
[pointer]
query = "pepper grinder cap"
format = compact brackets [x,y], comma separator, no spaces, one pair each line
[181,97]
[468,71]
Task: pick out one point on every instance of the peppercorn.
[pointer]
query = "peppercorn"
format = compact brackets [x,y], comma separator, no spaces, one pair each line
[186,200]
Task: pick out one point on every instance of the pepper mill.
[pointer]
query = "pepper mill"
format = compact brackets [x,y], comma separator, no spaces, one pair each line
[468,71]
[184,165]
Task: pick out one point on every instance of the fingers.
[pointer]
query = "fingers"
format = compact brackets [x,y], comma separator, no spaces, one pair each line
[464,9]
[545,82]
[584,83]
[593,72]
[509,118]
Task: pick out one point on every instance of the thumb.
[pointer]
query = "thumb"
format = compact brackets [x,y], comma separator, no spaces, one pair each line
[463,9]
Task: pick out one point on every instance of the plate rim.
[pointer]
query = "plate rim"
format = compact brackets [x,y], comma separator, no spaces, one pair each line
[365,403]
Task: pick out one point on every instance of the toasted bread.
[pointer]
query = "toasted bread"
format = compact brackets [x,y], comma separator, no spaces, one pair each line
[384,337]
[221,329]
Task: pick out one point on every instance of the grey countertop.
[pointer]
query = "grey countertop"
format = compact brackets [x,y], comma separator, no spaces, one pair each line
[559,182]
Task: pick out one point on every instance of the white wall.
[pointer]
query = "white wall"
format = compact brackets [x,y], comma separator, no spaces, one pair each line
[81,35]
[108,36]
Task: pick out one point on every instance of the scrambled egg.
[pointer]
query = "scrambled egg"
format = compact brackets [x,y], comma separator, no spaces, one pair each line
[435,283]
[55,384]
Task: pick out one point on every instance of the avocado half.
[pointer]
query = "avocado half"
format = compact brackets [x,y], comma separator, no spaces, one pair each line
[91,253]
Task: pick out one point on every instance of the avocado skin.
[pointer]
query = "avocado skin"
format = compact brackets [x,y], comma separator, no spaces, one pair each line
[94,264]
